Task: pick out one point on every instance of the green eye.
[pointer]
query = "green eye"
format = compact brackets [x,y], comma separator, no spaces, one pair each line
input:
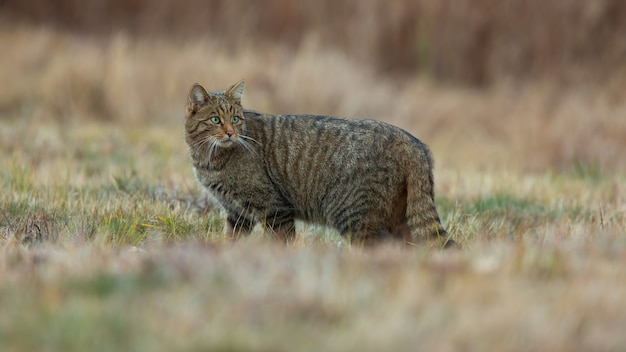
[215,119]
[235,119]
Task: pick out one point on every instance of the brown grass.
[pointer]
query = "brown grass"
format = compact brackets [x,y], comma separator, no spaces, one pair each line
[209,297]
[472,41]
[106,242]
[537,125]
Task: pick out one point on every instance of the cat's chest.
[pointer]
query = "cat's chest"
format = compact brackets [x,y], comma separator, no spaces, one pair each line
[224,179]
[235,181]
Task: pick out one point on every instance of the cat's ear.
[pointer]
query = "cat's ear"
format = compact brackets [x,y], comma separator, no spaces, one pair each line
[198,97]
[236,91]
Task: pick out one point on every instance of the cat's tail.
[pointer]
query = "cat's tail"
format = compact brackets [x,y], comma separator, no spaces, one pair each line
[421,214]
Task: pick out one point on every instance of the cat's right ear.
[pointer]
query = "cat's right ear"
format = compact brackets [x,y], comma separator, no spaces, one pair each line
[198,97]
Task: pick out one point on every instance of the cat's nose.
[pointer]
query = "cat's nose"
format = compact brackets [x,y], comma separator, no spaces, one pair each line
[230,133]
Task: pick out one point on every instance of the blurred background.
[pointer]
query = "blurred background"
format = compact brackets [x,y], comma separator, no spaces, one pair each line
[533,85]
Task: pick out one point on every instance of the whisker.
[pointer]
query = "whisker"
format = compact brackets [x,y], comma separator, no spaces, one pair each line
[200,142]
[211,149]
[202,145]
[203,142]
[249,138]
[246,146]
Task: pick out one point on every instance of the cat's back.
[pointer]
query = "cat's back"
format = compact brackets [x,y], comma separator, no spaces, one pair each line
[354,137]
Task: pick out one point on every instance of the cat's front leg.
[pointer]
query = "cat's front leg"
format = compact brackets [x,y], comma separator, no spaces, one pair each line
[237,225]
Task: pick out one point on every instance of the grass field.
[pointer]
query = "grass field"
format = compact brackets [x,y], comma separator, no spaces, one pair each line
[107,243]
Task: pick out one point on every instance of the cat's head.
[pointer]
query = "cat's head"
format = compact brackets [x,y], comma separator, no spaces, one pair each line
[215,119]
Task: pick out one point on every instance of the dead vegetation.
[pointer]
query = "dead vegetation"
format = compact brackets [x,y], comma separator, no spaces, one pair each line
[469,41]
[106,242]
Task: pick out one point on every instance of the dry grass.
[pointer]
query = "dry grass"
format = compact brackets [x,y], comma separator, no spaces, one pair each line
[472,41]
[539,125]
[256,296]
[106,242]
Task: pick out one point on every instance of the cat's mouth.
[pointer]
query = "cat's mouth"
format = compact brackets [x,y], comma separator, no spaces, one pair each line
[240,141]
[227,142]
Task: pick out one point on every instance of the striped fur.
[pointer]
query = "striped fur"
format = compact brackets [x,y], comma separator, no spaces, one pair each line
[368,179]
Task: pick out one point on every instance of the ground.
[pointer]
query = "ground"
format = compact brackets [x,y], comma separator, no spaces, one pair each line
[107,243]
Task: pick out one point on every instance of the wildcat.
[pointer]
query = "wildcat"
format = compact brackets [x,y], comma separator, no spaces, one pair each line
[365,178]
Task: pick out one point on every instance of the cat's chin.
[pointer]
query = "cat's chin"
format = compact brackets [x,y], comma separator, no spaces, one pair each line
[226,144]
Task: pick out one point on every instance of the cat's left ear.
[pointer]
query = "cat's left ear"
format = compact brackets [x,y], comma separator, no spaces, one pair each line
[236,91]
